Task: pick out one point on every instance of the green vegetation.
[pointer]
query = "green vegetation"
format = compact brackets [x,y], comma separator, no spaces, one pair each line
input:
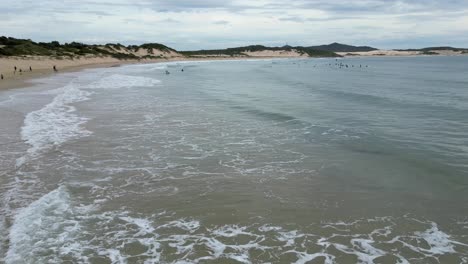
[155,46]
[428,52]
[338,47]
[317,53]
[27,47]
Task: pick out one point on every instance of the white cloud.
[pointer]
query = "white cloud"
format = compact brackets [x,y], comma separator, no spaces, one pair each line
[186,24]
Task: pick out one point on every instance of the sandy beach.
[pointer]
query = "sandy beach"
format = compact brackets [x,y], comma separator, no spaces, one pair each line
[43,66]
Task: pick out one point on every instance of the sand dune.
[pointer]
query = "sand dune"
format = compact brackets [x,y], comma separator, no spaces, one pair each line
[401,53]
[275,53]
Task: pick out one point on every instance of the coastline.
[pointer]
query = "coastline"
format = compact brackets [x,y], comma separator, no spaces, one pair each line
[400,53]
[44,67]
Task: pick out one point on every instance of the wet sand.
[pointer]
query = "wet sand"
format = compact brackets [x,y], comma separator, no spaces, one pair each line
[44,67]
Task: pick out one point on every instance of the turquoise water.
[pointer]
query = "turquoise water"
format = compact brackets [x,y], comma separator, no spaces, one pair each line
[267,161]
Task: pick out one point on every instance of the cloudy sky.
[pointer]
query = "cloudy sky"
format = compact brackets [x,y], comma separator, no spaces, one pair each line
[196,24]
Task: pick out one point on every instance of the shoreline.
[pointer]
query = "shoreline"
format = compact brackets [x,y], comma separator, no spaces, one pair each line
[23,80]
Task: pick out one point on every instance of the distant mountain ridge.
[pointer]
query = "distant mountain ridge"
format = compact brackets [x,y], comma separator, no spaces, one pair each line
[25,47]
[10,47]
[338,47]
[241,51]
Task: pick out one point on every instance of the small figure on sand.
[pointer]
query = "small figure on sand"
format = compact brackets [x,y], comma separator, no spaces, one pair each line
[21,71]
[55,68]
[30,68]
[1,76]
[15,68]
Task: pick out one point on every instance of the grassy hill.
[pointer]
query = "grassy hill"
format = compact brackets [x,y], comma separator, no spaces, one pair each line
[25,47]
[337,47]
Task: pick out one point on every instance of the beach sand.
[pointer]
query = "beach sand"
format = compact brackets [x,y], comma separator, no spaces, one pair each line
[43,66]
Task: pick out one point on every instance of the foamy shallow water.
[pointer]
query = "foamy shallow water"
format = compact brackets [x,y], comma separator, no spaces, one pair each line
[51,229]
[241,162]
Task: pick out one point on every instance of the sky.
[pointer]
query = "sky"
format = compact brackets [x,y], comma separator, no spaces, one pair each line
[208,24]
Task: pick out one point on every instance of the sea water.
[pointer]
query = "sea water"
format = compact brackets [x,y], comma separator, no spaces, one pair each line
[249,161]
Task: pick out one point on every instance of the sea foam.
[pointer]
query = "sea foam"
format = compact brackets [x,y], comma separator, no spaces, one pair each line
[54,124]
[58,122]
[118,81]
[53,225]
[46,226]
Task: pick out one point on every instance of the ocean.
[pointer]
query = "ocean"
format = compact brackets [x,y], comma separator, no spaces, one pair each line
[246,161]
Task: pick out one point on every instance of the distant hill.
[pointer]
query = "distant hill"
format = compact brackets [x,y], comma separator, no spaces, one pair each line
[242,51]
[337,47]
[435,48]
[25,47]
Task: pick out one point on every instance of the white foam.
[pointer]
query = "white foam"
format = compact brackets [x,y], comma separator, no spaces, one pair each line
[289,237]
[114,255]
[230,231]
[304,258]
[268,228]
[439,241]
[162,235]
[44,230]
[184,224]
[144,225]
[118,81]
[54,124]
[163,67]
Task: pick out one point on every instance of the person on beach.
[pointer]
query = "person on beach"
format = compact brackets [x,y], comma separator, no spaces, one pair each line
[1,76]
[55,69]
[15,68]
[30,69]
